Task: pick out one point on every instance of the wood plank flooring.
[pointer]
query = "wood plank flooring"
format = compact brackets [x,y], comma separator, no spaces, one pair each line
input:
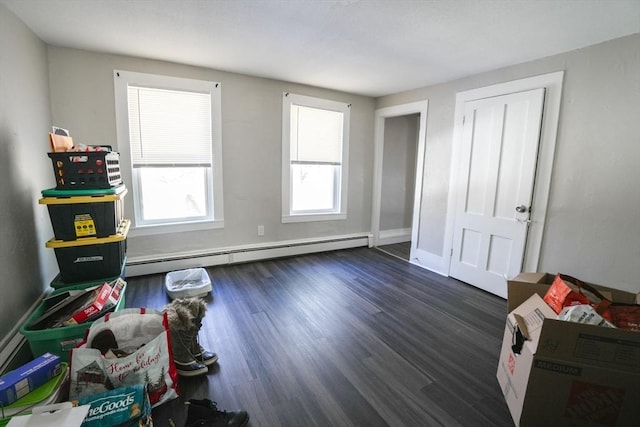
[400,250]
[346,338]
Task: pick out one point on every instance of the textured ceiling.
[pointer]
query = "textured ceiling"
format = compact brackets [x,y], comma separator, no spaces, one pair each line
[369,47]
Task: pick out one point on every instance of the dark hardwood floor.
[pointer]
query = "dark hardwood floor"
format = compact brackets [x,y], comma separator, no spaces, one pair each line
[346,338]
[400,250]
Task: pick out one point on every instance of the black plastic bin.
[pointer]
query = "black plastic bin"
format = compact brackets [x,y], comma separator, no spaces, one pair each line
[84,213]
[91,258]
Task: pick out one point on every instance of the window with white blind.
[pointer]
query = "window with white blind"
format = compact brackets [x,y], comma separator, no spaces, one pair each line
[314,157]
[169,136]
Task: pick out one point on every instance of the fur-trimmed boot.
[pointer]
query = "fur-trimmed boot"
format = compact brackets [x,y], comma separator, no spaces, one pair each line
[198,309]
[182,332]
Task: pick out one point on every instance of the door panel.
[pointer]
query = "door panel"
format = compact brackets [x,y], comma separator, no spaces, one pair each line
[499,151]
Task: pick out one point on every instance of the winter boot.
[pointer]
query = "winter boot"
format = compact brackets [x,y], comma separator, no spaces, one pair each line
[182,332]
[198,309]
[205,413]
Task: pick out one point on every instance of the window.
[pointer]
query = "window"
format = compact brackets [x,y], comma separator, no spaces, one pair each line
[169,139]
[315,142]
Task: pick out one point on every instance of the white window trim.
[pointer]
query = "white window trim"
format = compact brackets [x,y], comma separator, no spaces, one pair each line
[122,79]
[289,99]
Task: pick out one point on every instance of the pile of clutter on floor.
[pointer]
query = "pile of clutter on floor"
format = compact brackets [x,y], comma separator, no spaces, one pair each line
[128,363]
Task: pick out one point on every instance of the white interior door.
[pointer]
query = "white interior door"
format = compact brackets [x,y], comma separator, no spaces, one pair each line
[496,176]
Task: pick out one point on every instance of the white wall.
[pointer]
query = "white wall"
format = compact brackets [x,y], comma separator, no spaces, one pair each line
[27,266]
[593,222]
[83,102]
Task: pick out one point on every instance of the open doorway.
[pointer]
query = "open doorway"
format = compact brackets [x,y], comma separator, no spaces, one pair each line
[398,184]
[399,156]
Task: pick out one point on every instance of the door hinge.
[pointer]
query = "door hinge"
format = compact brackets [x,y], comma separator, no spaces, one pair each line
[451,253]
[464,118]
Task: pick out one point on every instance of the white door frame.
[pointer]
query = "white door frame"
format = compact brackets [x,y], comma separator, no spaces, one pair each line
[419,107]
[548,132]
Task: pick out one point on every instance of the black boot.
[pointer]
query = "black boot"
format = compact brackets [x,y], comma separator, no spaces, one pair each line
[205,413]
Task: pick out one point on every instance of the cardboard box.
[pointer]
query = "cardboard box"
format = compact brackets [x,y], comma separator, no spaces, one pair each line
[117,290]
[28,377]
[93,308]
[568,374]
[524,284]
[515,364]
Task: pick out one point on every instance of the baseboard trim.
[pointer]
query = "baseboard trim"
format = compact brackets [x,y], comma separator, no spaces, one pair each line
[14,346]
[139,266]
[390,237]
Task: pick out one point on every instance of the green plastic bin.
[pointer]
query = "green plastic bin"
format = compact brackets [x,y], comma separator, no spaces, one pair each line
[60,340]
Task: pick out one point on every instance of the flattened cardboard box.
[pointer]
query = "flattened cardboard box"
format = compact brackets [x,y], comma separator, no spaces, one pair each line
[580,375]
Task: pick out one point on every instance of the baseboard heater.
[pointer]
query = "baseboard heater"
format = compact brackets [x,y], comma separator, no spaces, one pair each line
[139,266]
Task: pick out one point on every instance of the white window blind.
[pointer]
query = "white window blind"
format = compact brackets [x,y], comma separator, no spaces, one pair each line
[316,135]
[169,127]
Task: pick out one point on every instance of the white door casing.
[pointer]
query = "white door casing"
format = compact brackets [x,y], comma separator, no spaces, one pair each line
[496,175]
[419,107]
[552,82]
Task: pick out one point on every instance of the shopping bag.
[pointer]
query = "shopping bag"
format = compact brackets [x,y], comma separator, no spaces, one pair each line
[566,291]
[124,348]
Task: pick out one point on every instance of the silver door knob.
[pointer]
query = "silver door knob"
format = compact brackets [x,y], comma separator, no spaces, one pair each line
[522,209]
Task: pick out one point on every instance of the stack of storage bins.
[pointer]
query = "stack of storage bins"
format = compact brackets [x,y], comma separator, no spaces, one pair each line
[90,233]
[90,236]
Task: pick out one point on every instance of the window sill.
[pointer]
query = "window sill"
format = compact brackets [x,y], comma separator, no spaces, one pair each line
[313,217]
[150,230]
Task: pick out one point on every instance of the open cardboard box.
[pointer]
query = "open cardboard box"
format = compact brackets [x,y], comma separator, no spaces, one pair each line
[567,374]
[520,288]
